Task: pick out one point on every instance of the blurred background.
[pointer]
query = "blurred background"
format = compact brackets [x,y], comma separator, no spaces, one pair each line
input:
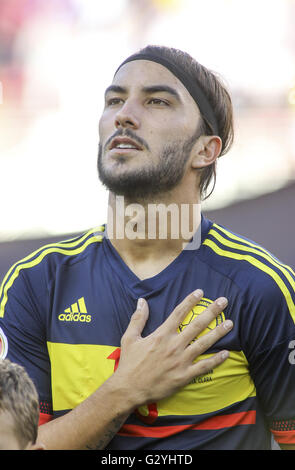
[58,56]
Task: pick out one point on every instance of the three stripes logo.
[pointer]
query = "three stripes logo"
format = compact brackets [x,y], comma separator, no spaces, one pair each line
[77,312]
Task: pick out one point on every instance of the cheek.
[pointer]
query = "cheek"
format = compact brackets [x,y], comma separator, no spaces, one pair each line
[105,126]
[166,133]
[101,126]
[171,126]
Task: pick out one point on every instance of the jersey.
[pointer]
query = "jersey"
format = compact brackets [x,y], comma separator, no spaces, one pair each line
[65,307]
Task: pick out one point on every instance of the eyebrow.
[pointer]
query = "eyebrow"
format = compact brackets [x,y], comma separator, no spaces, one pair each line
[148,90]
[115,89]
[161,88]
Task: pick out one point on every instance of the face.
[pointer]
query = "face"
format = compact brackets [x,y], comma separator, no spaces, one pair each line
[8,437]
[147,131]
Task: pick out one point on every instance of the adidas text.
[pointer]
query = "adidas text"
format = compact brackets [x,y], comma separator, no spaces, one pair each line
[74,317]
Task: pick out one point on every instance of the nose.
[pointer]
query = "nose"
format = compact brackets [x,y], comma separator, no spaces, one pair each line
[126,117]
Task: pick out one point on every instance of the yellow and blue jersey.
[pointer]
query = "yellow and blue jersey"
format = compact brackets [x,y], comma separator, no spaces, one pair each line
[65,307]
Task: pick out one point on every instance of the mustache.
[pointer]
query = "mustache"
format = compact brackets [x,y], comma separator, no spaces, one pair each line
[127,133]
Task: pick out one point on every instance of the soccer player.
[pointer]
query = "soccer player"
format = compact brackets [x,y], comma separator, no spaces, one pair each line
[154,380]
[19,409]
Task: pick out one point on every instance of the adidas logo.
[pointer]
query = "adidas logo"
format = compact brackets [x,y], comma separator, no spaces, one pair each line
[76,312]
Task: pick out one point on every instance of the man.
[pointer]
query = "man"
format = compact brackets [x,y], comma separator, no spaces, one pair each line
[19,409]
[66,308]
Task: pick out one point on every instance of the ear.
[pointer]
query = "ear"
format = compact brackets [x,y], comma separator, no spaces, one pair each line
[206,150]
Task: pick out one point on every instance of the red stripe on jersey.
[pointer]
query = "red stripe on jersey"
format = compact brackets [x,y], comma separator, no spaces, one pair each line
[226,421]
[284,437]
[216,422]
[44,418]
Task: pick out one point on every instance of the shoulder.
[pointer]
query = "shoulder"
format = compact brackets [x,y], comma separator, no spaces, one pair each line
[256,271]
[238,257]
[60,251]
[48,258]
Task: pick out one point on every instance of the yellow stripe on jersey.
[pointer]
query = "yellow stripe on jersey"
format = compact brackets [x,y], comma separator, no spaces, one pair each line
[68,249]
[228,383]
[77,370]
[62,243]
[264,255]
[258,247]
[258,264]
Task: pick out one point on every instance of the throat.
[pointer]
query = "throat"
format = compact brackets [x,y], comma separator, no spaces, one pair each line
[150,267]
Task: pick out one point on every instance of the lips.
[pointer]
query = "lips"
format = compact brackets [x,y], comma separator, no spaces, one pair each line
[124,143]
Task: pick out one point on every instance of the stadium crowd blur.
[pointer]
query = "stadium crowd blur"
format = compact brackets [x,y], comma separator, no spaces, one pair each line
[48,148]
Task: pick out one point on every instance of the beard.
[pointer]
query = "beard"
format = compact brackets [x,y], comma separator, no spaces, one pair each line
[147,182]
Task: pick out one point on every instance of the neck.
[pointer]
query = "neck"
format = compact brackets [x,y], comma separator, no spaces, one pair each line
[153,231]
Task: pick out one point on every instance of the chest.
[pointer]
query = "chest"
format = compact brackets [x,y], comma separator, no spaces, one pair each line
[89,312]
[94,306]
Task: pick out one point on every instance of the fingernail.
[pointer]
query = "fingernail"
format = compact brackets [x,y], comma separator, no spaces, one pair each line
[197,293]
[227,324]
[222,302]
[224,354]
[140,304]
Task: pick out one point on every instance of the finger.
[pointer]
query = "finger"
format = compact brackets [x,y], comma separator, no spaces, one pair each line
[180,312]
[137,321]
[205,365]
[202,344]
[201,322]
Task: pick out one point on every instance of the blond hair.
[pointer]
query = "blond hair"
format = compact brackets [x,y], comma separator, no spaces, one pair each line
[18,397]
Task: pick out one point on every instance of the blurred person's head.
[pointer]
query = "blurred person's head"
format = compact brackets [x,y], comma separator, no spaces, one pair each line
[173,132]
[19,408]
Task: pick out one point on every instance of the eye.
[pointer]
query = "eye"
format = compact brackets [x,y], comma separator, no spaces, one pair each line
[113,101]
[158,101]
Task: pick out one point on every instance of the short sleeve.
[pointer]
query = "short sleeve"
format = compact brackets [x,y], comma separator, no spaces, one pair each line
[269,329]
[23,329]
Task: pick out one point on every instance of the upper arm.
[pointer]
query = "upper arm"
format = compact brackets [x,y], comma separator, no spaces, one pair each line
[270,333]
[23,301]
